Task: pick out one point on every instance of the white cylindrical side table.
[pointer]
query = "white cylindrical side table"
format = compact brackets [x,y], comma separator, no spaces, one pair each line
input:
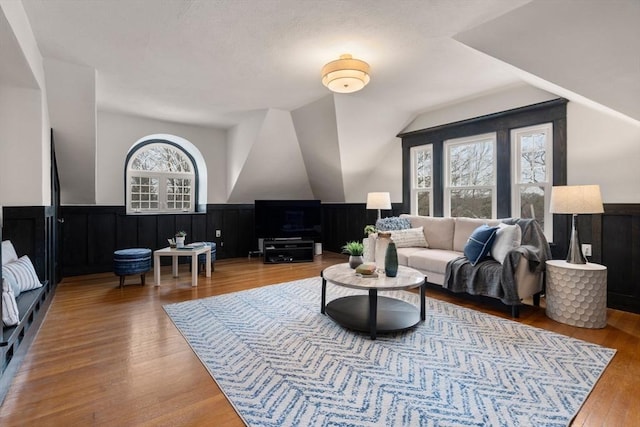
[577,293]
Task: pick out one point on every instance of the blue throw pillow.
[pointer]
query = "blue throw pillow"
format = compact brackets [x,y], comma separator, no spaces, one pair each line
[393,223]
[479,243]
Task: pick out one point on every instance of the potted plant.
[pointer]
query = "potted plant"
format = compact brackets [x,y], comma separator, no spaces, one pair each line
[355,251]
[369,230]
[180,236]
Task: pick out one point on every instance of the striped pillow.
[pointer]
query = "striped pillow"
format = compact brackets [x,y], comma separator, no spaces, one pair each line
[409,238]
[10,315]
[22,273]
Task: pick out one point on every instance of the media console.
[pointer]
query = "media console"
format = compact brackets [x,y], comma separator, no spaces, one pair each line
[288,250]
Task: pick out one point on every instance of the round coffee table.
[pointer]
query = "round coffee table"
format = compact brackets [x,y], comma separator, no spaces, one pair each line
[372,313]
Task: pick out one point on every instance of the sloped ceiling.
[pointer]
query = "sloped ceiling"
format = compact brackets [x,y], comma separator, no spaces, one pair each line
[591,48]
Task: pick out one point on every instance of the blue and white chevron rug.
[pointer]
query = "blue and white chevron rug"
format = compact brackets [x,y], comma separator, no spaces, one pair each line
[282,363]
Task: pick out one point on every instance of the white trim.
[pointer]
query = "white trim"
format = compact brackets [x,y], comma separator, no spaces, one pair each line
[516,184]
[415,190]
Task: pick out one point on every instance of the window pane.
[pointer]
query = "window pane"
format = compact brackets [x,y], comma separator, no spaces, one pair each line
[471,164]
[532,203]
[471,203]
[423,169]
[161,158]
[423,203]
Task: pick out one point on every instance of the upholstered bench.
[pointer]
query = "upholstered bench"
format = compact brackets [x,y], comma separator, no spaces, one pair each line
[131,261]
[202,258]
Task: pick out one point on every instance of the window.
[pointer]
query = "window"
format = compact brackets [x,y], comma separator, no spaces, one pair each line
[532,148]
[529,155]
[422,180]
[470,177]
[161,177]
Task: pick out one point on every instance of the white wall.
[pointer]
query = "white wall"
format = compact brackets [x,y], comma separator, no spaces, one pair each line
[21,158]
[118,132]
[274,168]
[603,149]
[71,91]
[24,118]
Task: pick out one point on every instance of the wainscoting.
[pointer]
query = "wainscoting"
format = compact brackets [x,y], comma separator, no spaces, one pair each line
[90,234]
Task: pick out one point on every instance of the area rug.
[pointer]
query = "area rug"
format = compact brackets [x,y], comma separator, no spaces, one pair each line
[282,363]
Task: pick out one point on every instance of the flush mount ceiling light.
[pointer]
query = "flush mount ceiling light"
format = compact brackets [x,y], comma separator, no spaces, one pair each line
[345,75]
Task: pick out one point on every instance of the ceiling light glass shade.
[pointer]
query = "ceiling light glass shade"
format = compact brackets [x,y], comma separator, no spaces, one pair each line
[345,75]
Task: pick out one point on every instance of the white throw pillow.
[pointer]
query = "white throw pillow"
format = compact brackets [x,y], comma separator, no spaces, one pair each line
[409,238]
[23,273]
[10,315]
[507,238]
[8,252]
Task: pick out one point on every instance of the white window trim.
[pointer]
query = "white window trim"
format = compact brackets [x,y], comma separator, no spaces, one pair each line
[516,135]
[447,177]
[414,179]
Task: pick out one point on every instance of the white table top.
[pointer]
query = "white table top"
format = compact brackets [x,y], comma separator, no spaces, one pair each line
[183,252]
[343,275]
[564,264]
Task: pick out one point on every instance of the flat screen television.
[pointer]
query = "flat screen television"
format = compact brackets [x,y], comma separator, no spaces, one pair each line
[288,219]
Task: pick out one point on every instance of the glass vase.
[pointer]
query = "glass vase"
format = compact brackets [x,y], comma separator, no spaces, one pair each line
[391,260]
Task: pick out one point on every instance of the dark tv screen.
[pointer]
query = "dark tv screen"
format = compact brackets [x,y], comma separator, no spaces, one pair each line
[288,219]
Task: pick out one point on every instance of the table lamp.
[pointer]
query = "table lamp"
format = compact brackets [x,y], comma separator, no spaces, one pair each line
[378,201]
[574,200]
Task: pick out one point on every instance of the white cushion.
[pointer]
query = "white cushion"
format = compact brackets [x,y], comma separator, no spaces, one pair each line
[23,273]
[10,315]
[508,237]
[8,252]
[432,260]
[409,238]
[438,232]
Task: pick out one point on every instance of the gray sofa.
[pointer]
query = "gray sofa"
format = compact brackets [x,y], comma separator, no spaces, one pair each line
[519,276]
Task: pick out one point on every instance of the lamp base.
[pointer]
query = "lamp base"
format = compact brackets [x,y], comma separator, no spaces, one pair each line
[575,256]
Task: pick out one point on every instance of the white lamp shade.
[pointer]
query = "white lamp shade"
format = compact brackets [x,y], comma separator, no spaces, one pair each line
[378,201]
[576,199]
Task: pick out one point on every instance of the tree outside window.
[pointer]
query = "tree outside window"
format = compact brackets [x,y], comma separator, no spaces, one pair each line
[532,148]
[470,184]
[422,181]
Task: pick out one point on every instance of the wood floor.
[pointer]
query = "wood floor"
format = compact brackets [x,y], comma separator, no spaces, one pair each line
[111,357]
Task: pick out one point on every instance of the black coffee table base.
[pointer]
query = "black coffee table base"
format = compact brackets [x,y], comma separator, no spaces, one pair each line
[389,314]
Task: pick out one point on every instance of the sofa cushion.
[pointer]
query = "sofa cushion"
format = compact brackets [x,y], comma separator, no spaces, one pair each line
[22,273]
[434,260]
[405,253]
[464,227]
[409,238]
[438,232]
[392,223]
[8,252]
[508,237]
[479,243]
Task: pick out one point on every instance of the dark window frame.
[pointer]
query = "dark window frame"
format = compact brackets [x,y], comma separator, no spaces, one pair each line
[554,111]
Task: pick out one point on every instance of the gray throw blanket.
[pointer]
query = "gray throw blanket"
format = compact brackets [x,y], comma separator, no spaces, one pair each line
[489,277]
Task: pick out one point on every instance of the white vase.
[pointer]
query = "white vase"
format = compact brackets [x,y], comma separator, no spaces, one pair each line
[382,242]
[179,241]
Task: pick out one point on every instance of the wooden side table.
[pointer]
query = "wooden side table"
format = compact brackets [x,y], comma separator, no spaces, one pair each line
[577,293]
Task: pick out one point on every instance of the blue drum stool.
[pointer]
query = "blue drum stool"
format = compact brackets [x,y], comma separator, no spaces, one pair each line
[202,258]
[131,261]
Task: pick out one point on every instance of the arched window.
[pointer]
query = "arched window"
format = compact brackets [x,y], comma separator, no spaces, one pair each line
[161,177]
